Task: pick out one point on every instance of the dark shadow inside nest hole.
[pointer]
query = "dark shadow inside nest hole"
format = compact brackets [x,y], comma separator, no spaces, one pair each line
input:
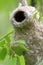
[19,16]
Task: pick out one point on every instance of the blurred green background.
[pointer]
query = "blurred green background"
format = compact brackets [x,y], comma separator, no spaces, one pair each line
[6,7]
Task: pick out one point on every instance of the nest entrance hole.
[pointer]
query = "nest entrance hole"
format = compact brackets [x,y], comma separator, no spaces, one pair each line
[19,16]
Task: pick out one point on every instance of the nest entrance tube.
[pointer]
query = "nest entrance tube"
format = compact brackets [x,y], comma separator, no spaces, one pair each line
[19,16]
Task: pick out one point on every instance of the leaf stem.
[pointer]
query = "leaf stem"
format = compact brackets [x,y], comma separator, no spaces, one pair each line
[6,35]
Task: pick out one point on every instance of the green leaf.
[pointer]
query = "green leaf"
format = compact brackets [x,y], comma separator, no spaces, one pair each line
[11,61]
[3,52]
[17,50]
[20,47]
[7,38]
[20,41]
[22,60]
[24,47]
[2,43]
[18,60]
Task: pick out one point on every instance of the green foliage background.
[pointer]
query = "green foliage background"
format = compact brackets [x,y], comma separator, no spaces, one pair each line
[6,6]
